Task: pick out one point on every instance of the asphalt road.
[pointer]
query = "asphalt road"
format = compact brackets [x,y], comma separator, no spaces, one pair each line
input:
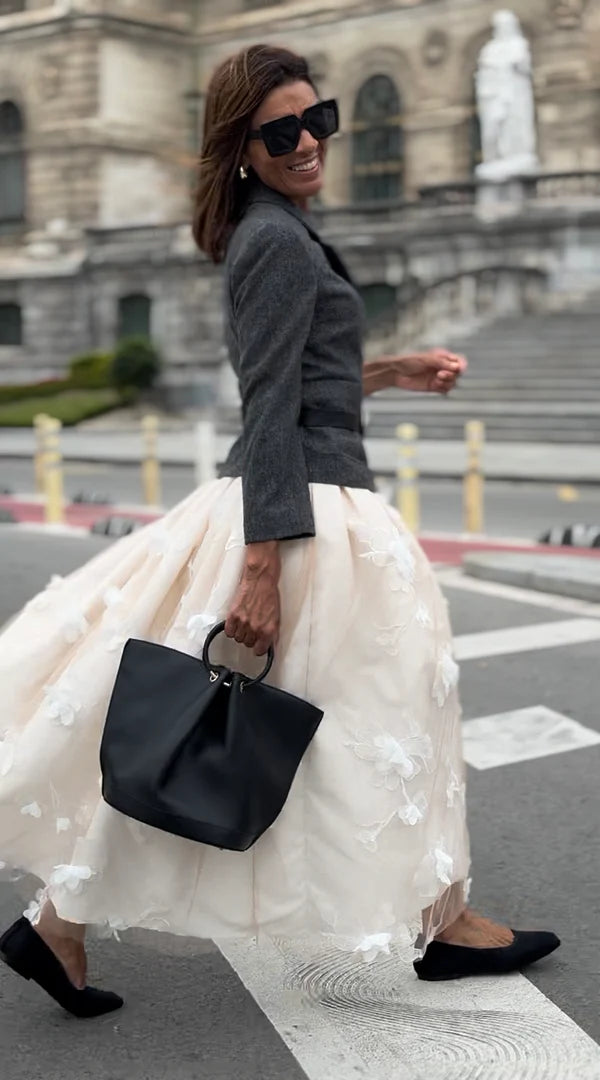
[511,509]
[535,850]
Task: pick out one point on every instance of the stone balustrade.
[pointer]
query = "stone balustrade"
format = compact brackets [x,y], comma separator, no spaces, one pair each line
[460,303]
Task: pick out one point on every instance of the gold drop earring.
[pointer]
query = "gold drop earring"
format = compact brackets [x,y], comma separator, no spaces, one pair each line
[243,173]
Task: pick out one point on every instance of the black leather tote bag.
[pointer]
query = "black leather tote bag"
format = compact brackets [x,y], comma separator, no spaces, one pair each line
[198,750]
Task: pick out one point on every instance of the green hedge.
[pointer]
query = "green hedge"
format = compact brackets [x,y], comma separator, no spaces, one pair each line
[92,371]
[41,390]
[136,363]
[70,406]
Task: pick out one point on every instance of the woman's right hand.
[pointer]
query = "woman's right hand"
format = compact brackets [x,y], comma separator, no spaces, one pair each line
[255,614]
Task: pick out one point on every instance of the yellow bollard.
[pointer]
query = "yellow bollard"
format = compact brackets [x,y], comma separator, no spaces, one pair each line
[38,453]
[473,481]
[150,462]
[53,471]
[407,472]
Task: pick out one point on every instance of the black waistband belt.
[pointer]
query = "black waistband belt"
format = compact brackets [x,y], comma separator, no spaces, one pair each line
[330,418]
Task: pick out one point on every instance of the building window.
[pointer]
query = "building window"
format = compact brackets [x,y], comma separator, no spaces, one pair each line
[134,316]
[380,306]
[7,7]
[12,164]
[474,135]
[377,142]
[11,325]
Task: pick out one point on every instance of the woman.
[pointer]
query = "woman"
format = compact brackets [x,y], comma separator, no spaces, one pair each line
[293,547]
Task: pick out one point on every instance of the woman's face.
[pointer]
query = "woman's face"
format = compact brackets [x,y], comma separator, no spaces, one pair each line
[298,175]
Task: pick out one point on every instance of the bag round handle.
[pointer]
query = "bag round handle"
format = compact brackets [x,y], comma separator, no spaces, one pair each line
[210,637]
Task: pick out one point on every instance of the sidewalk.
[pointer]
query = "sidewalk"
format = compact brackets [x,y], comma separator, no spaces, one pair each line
[566,575]
[554,463]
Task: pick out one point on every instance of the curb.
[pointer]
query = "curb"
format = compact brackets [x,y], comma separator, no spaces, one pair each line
[563,575]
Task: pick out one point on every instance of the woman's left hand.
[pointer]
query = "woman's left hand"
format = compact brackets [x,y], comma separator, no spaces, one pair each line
[435,371]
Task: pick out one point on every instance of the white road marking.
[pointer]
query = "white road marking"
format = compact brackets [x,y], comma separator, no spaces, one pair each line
[522,735]
[348,1021]
[454,578]
[517,639]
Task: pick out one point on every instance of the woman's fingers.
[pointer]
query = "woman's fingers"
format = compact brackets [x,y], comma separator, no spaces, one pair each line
[448,360]
[243,633]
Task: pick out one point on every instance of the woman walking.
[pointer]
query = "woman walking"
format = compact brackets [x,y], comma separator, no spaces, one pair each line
[292,547]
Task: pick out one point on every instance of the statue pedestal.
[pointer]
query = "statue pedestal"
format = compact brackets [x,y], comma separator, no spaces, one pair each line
[494,198]
[498,172]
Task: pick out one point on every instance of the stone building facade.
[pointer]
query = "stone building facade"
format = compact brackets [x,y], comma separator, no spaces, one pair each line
[100,114]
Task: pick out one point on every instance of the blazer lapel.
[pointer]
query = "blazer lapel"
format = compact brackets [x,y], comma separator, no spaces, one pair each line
[261,193]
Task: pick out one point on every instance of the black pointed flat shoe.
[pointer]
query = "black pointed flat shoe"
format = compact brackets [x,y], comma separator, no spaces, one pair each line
[442,961]
[25,952]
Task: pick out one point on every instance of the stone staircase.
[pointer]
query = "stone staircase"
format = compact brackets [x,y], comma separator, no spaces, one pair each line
[531,378]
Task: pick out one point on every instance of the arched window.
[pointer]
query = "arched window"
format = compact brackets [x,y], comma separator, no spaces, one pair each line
[12,164]
[11,325]
[135,312]
[381,305]
[377,142]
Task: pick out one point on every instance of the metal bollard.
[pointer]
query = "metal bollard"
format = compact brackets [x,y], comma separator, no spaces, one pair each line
[150,462]
[52,471]
[473,481]
[38,453]
[407,473]
[206,453]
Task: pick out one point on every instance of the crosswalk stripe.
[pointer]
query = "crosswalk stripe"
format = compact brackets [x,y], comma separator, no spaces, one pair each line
[453,578]
[522,735]
[346,1021]
[517,639]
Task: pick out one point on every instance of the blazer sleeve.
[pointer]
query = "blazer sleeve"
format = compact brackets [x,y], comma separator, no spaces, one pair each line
[273,291]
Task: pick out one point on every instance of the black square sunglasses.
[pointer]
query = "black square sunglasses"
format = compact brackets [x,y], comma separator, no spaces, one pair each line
[282,136]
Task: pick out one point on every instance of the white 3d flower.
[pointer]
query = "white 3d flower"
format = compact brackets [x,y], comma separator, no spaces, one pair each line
[60,705]
[112,597]
[388,549]
[63,824]
[33,810]
[372,945]
[414,812]
[423,615]
[446,676]
[198,626]
[394,760]
[403,557]
[74,624]
[444,865]
[71,877]
[34,908]
[369,837]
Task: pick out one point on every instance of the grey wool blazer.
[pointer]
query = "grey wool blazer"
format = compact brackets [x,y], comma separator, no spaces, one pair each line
[294,331]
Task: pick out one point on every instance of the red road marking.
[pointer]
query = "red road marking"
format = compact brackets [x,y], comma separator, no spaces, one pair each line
[441,549]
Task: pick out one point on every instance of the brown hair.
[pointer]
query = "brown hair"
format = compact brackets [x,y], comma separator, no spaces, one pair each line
[236,90]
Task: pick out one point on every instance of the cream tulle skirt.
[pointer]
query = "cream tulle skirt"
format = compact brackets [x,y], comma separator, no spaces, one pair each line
[371,850]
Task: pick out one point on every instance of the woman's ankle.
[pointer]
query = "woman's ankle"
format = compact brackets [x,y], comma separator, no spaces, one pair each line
[475,931]
[51,925]
[66,940]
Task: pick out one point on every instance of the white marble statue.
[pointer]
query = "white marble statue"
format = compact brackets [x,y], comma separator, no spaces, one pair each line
[505,102]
